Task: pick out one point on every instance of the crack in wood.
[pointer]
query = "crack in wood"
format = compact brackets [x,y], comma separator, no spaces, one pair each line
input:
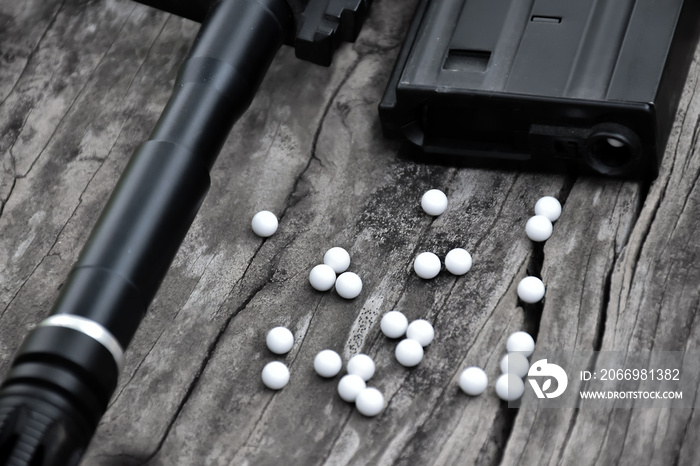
[31,55]
[211,349]
[649,220]
[691,187]
[603,314]
[119,392]
[56,238]
[76,98]
[7,198]
[290,200]
[333,443]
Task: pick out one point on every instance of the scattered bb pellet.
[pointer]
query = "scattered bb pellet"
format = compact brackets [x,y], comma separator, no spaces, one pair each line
[509,387]
[370,402]
[531,289]
[322,277]
[361,365]
[520,342]
[409,352]
[458,261]
[348,285]
[275,375]
[427,265]
[515,363]
[422,331]
[473,381]
[538,228]
[327,363]
[394,324]
[350,386]
[264,223]
[434,202]
[338,258]
[549,207]
[279,340]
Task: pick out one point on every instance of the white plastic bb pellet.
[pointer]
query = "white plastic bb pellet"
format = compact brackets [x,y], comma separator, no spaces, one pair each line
[409,352]
[434,202]
[279,340]
[348,285]
[338,258]
[458,261]
[473,381]
[515,363]
[427,265]
[549,207]
[539,228]
[322,277]
[422,331]
[349,386]
[394,324]
[264,223]
[520,342]
[370,402]
[275,375]
[531,290]
[509,387]
[361,365]
[328,363]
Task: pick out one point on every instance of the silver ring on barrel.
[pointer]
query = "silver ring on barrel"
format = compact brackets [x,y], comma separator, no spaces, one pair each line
[90,328]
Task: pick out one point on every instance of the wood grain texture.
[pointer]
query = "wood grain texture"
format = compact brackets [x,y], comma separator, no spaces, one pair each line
[82,84]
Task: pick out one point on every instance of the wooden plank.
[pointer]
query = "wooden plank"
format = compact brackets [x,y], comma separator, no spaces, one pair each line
[649,300]
[84,87]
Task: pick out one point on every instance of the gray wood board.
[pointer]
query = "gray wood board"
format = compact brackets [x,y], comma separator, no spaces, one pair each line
[81,85]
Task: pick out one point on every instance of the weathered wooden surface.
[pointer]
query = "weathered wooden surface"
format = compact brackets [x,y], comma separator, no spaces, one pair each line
[82,83]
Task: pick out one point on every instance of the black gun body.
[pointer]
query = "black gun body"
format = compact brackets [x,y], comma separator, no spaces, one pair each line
[67,369]
[320,26]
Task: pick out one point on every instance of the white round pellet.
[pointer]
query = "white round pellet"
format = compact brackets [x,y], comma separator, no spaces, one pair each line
[394,324]
[615,142]
[409,352]
[427,265]
[264,223]
[361,365]
[275,375]
[538,228]
[327,363]
[549,207]
[509,387]
[280,340]
[348,285]
[322,277]
[473,381]
[434,202]
[422,331]
[458,261]
[531,289]
[350,386]
[515,363]
[520,342]
[370,402]
[338,258]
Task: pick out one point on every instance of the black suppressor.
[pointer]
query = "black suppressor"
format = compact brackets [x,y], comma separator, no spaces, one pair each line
[63,376]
